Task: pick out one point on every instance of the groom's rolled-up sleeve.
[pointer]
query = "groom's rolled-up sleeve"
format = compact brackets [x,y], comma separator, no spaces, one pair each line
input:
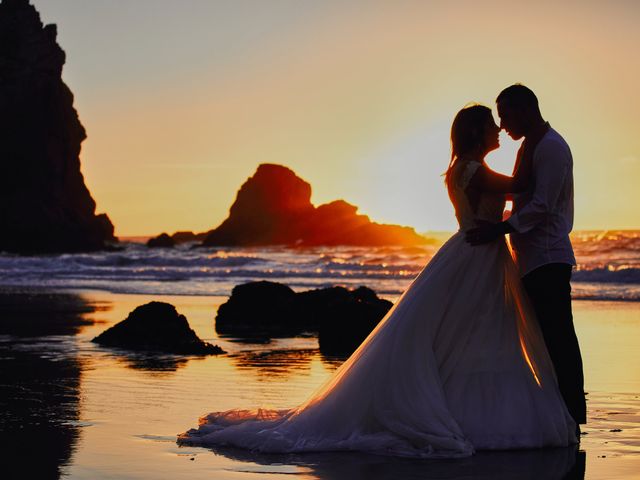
[551,163]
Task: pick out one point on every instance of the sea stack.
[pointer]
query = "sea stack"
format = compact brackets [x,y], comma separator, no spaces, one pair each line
[273,207]
[45,206]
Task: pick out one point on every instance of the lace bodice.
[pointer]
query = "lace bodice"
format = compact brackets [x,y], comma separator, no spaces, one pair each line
[473,205]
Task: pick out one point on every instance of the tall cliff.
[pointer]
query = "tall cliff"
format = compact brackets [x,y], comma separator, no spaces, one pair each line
[45,205]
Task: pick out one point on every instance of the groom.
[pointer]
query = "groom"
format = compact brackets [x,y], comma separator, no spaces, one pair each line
[539,229]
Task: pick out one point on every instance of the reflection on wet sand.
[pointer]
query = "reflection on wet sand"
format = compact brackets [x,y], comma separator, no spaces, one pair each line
[39,381]
[282,362]
[549,464]
[34,312]
[274,363]
[156,363]
[333,361]
[39,402]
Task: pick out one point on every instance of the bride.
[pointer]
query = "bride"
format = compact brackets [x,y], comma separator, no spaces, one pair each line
[458,364]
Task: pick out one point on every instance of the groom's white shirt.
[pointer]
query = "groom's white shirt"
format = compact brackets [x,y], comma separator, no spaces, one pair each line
[543,215]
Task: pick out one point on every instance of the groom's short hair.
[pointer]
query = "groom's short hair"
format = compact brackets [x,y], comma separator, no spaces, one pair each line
[518,95]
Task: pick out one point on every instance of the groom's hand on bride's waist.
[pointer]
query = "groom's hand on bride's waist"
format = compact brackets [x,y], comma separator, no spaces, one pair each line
[487,232]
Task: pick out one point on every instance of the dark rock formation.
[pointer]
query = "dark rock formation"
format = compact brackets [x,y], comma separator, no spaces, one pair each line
[183,237]
[261,309]
[342,318]
[164,240]
[348,322]
[161,241]
[156,326]
[270,209]
[45,205]
[274,208]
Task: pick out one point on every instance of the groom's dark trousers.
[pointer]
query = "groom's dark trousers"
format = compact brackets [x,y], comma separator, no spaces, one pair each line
[550,293]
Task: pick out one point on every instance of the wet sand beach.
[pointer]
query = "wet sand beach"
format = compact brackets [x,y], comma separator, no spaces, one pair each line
[88,412]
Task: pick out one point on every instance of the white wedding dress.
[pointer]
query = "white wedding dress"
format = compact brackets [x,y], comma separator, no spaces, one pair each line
[458,364]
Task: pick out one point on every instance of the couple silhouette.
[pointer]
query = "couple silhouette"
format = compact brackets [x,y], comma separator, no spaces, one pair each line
[480,352]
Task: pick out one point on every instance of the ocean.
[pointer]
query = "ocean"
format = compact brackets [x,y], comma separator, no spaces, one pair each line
[608,268]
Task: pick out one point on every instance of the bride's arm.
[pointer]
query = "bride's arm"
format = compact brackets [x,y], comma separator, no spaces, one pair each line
[489,180]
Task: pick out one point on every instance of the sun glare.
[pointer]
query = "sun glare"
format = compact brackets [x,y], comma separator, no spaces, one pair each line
[503,159]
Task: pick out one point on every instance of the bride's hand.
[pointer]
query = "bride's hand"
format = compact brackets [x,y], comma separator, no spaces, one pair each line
[486,232]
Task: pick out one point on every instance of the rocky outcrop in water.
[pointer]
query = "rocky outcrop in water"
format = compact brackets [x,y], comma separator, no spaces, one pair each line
[186,236]
[348,321]
[157,327]
[262,309]
[274,207]
[45,205]
[164,240]
[161,241]
[342,318]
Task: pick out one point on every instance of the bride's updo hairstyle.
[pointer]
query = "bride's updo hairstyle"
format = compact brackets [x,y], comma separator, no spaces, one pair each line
[467,133]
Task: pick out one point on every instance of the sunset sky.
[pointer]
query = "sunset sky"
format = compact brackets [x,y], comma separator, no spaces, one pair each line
[183,99]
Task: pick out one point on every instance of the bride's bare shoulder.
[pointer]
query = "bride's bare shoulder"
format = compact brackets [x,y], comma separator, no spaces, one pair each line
[462,172]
